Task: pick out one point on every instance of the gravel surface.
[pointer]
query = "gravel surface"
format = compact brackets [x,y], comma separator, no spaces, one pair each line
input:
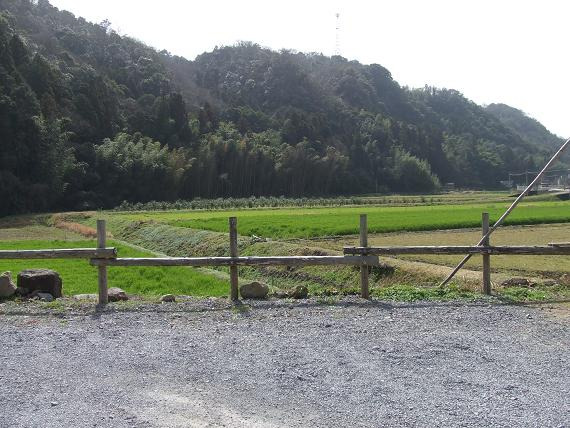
[282,364]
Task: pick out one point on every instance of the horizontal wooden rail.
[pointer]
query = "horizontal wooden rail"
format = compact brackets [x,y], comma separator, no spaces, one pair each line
[559,244]
[235,261]
[73,253]
[523,250]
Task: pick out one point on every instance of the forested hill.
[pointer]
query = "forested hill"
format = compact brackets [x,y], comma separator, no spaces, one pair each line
[529,129]
[89,118]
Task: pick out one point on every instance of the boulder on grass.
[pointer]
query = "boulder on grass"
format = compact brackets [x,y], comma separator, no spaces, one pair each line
[299,292]
[7,286]
[254,290]
[42,280]
[116,294]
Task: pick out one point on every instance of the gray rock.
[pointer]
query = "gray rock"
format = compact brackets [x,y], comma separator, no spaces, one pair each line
[116,294]
[44,280]
[516,282]
[85,296]
[549,283]
[168,298]
[44,297]
[299,292]
[254,290]
[7,286]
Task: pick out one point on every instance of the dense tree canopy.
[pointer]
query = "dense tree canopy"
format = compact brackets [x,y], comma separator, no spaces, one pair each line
[89,118]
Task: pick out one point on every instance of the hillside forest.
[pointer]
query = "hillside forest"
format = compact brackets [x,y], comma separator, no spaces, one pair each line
[90,118]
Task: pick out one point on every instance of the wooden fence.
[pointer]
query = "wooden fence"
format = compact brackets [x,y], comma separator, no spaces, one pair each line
[363,256]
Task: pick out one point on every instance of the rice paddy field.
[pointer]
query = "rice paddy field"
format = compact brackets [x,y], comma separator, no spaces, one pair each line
[318,222]
[453,220]
[512,235]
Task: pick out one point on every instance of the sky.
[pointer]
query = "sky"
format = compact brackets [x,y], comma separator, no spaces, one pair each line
[493,51]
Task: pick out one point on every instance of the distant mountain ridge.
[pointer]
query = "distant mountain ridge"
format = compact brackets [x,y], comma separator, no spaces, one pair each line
[529,129]
[85,111]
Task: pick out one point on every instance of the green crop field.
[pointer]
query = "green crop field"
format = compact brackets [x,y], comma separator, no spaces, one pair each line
[79,277]
[315,222]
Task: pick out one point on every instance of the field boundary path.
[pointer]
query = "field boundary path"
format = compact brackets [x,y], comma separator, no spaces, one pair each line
[276,363]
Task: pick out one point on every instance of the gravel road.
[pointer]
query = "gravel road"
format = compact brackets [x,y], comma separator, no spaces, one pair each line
[282,364]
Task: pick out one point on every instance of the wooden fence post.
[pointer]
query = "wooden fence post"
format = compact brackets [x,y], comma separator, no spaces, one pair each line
[486,257]
[102,270]
[234,292]
[364,289]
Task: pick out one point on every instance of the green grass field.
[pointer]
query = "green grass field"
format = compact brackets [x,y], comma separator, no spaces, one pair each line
[79,277]
[315,222]
[189,232]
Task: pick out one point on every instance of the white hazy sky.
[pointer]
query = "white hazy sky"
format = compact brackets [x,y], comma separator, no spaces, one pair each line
[509,51]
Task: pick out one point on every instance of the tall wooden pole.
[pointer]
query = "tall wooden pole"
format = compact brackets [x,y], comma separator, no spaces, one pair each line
[234,292]
[486,257]
[102,270]
[510,209]
[364,284]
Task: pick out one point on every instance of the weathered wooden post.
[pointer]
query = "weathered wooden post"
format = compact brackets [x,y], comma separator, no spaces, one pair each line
[102,270]
[364,289]
[233,253]
[486,257]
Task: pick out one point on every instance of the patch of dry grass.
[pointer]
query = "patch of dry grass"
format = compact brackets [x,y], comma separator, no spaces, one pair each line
[61,221]
[37,232]
[439,265]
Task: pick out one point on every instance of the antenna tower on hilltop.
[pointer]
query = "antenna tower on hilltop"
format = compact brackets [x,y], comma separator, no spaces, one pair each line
[337,41]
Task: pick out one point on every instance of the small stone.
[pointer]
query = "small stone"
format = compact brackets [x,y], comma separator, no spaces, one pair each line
[54,403]
[549,283]
[168,298]
[44,297]
[85,297]
[115,294]
[299,292]
[254,290]
[7,286]
[529,316]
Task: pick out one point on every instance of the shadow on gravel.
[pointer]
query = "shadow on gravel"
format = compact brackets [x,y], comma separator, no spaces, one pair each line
[245,308]
[508,301]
